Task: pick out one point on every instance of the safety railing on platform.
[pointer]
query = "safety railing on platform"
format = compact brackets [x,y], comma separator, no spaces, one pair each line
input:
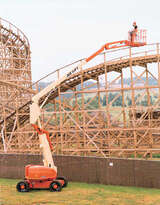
[138,36]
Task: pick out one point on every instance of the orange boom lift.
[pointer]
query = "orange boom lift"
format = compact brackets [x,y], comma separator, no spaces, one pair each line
[43,177]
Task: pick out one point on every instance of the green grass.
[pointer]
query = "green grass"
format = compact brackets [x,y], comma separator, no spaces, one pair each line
[79,194]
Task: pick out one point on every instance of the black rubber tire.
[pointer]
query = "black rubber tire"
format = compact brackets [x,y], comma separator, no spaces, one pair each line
[59,186]
[65,181]
[26,186]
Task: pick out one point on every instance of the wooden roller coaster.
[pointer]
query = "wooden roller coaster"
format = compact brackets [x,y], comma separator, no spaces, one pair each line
[109,107]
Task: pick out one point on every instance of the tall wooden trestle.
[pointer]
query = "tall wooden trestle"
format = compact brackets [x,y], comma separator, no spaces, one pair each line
[110,108]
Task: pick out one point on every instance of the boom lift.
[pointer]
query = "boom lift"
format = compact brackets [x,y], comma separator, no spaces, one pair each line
[37,176]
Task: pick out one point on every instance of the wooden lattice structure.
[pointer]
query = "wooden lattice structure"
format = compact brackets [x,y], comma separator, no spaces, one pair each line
[105,109]
[15,71]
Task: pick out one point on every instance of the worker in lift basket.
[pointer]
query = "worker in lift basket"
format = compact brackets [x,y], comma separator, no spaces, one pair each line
[133,33]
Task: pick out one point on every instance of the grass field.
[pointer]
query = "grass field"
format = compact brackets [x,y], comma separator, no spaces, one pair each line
[79,194]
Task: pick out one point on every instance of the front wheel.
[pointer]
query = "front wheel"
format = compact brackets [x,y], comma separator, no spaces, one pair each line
[55,186]
[65,181]
[22,186]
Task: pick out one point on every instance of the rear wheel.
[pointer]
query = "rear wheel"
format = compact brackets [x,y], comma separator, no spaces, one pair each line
[65,181]
[22,186]
[55,186]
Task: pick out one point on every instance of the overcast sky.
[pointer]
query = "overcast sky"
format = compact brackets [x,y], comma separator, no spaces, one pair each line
[62,31]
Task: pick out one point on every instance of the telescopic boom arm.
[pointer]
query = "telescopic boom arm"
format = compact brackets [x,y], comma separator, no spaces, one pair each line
[35,109]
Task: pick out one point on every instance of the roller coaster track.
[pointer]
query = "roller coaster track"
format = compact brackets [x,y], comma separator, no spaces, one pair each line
[15,60]
[89,73]
[81,127]
[16,41]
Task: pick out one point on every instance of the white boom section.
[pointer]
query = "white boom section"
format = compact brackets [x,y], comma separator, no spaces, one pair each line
[46,151]
[34,108]
[35,111]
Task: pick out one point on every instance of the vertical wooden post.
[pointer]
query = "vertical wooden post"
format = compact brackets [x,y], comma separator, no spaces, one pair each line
[107,106]
[123,101]
[149,112]
[60,112]
[99,108]
[133,102]
[77,120]
[83,113]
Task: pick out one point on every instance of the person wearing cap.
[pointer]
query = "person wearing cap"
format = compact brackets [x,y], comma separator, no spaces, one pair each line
[135,26]
[133,32]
